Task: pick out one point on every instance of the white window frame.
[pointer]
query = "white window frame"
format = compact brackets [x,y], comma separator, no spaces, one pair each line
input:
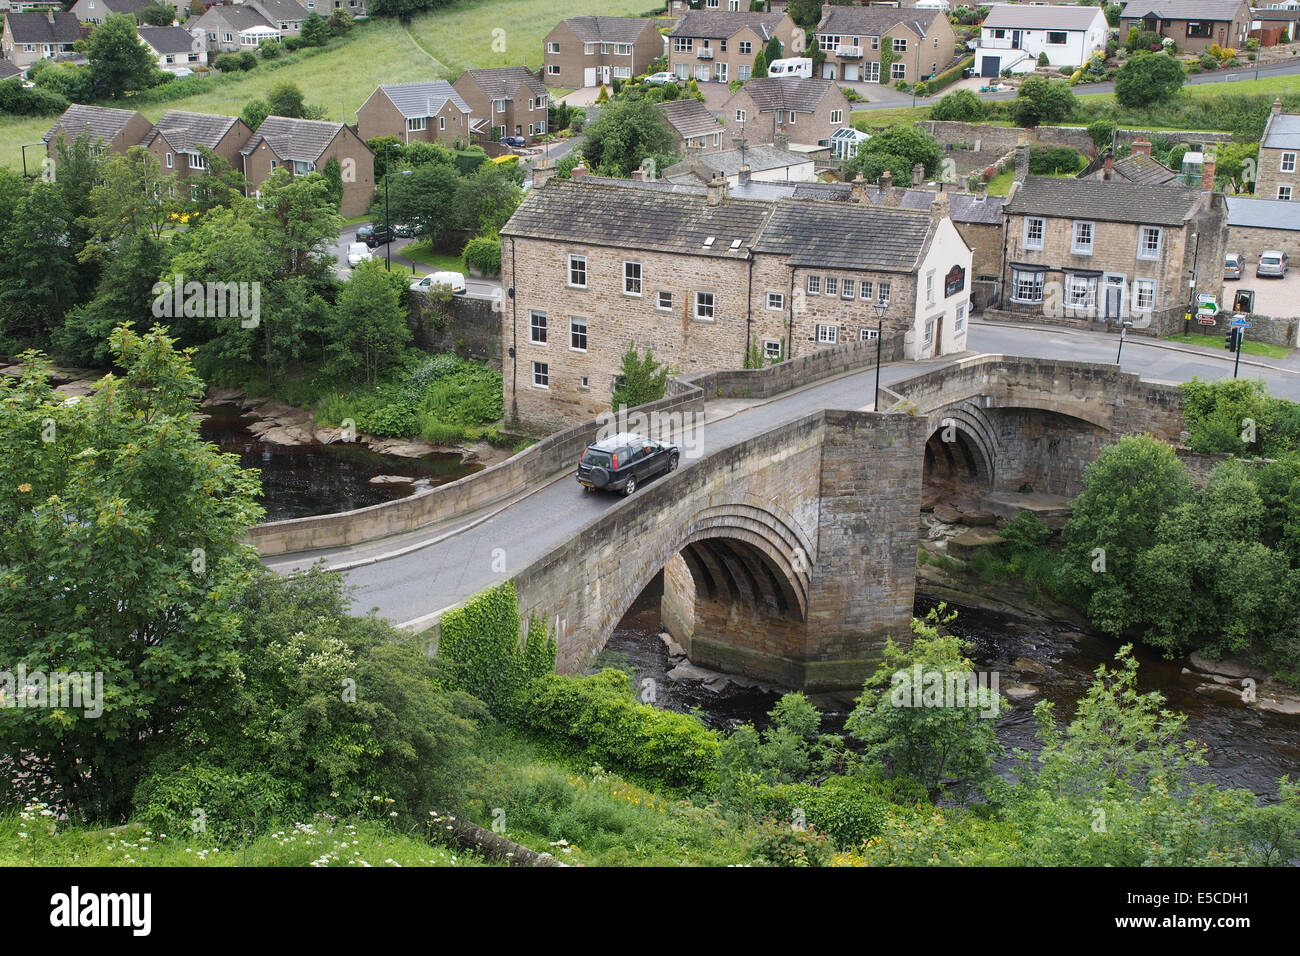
[1080,292]
[814,285]
[552,69]
[775,301]
[577,264]
[1035,282]
[959,323]
[883,291]
[1143,250]
[900,44]
[745,48]
[772,350]
[897,70]
[831,284]
[1144,288]
[866,289]
[867,335]
[660,303]
[1284,193]
[1078,230]
[552,46]
[929,332]
[929,287]
[1287,163]
[1027,240]
[537,324]
[705,311]
[416,123]
[541,375]
[837,116]
[848,288]
[577,329]
[632,283]
[828,334]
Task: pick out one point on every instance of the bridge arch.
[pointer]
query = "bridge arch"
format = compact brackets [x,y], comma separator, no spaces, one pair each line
[960,452]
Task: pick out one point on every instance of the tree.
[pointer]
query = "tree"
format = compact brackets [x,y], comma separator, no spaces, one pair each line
[640,380]
[961,106]
[369,330]
[421,197]
[924,731]
[1147,78]
[817,55]
[760,65]
[254,112]
[897,146]
[134,196]
[125,294]
[220,186]
[1238,163]
[315,31]
[627,133]
[121,552]
[285,99]
[39,279]
[119,62]
[1042,100]
[486,198]
[806,13]
[340,22]
[158,15]
[773,49]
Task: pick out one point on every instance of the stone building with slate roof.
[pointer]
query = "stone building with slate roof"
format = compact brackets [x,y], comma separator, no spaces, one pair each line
[859,40]
[1095,253]
[513,100]
[113,131]
[589,51]
[1258,224]
[596,265]
[177,139]
[754,163]
[230,28]
[806,110]
[693,125]
[303,146]
[719,46]
[429,112]
[1195,25]
[1138,167]
[1279,151]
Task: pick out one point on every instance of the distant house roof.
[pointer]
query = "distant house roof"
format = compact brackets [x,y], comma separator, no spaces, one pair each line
[7,70]
[238,18]
[689,117]
[760,189]
[1282,132]
[875,21]
[163,40]
[186,132]
[293,139]
[1053,17]
[1262,213]
[100,122]
[1111,201]
[1183,9]
[1136,168]
[422,99]
[127,6]
[499,82]
[727,162]
[607,29]
[845,235]
[718,25]
[800,93]
[277,10]
[37,28]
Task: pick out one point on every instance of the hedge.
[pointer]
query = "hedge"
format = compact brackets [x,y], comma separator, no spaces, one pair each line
[950,76]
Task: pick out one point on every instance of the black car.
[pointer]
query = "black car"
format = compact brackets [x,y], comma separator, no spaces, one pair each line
[373,235]
[622,461]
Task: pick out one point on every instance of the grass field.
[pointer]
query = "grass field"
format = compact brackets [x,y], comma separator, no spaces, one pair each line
[1214,342]
[436,261]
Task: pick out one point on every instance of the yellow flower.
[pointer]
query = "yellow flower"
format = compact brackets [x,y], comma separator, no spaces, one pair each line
[25,487]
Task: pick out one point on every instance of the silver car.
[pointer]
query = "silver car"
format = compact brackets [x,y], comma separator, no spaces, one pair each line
[1273,263]
[1232,265]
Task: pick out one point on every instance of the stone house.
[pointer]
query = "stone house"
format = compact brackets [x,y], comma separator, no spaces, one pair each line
[304,146]
[285,15]
[1195,25]
[1258,224]
[693,125]
[109,130]
[754,163]
[29,37]
[806,110]
[176,139]
[1277,174]
[174,48]
[1089,253]
[232,28]
[590,51]
[884,44]
[1137,167]
[720,46]
[595,265]
[429,112]
[97,11]
[512,99]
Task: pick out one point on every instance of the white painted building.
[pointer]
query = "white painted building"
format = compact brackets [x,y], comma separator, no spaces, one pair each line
[1013,36]
[942,293]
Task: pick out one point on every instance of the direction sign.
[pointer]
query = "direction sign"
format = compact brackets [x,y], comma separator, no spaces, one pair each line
[1239,324]
[1206,302]
[1205,320]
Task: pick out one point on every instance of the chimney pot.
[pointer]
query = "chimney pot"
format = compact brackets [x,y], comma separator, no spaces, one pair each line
[1109,165]
[716,190]
[981,192]
[1142,146]
[578,172]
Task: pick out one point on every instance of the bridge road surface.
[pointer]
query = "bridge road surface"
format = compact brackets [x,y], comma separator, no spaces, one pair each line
[410,578]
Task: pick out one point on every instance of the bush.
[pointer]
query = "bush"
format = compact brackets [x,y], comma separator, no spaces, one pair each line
[1101,133]
[247,59]
[19,100]
[780,844]
[227,63]
[1042,59]
[598,714]
[847,808]
[1207,61]
[960,106]
[213,803]
[1049,160]
[389,421]
[270,50]
[1042,100]
[295,43]
[484,254]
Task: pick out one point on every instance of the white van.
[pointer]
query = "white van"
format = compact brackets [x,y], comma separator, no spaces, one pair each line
[793,66]
[453,280]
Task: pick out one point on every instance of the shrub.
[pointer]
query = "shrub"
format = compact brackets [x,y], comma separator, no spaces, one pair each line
[1042,59]
[270,50]
[847,808]
[1207,61]
[224,806]
[921,89]
[294,43]
[1048,160]
[960,106]
[247,59]
[1101,133]
[227,62]
[780,844]
[19,100]
[389,421]
[484,254]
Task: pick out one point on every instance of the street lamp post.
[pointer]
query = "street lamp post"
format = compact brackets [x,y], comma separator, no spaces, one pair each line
[1123,331]
[388,227]
[880,338]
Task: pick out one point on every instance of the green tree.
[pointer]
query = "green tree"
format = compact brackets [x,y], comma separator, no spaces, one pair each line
[158,15]
[285,99]
[133,197]
[254,112]
[119,62]
[222,185]
[421,197]
[315,31]
[1147,78]
[340,22]
[369,331]
[125,294]
[817,55]
[627,133]
[487,197]
[1042,100]
[39,278]
[640,379]
[962,106]
[897,146]
[773,49]
[760,65]
[1238,164]
[121,555]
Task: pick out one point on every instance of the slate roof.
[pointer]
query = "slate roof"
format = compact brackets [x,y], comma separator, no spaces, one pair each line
[499,82]
[1106,201]
[646,216]
[277,10]
[186,132]
[101,122]
[36,27]
[7,69]
[422,99]
[1283,132]
[758,189]
[1135,168]
[1262,213]
[841,235]
[607,29]
[167,39]
[690,117]
[290,139]
[721,24]
[127,6]
[1182,9]
[874,21]
[962,207]
[1052,17]
[728,161]
[801,93]
[238,17]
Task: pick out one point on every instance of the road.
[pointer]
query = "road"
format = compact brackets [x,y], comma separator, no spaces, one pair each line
[410,578]
[484,288]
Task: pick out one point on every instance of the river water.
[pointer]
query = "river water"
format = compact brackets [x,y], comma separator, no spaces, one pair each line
[302,480]
[1247,748]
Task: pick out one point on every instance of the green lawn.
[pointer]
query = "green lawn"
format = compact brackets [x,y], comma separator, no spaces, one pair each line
[1214,342]
[436,261]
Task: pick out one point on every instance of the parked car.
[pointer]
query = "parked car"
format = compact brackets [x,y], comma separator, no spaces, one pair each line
[454,280]
[622,461]
[1232,265]
[517,142]
[658,79]
[1273,263]
[373,235]
[358,252]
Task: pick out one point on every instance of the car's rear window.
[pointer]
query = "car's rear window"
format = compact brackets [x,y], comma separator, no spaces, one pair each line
[1271,260]
[595,458]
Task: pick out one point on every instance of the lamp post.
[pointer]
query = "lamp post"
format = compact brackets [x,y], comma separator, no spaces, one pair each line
[388,227]
[880,330]
[1123,330]
[25,149]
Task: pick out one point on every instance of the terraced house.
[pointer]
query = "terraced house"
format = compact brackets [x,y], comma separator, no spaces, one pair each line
[1278,172]
[590,51]
[884,44]
[596,265]
[304,146]
[512,99]
[178,138]
[430,112]
[721,46]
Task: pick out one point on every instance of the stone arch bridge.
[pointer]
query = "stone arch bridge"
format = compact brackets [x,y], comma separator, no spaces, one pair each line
[791,556]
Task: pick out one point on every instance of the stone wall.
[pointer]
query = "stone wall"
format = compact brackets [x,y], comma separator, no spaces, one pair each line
[999,139]
[473,330]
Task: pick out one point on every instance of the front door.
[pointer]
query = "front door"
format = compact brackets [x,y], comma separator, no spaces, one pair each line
[873,72]
[605,74]
[1114,298]
[1016,39]
[589,76]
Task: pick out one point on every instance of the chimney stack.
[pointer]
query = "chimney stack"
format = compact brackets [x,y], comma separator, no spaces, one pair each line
[858,189]
[543,173]
[1142,146]
[940,206]
[638,175]
[1207,172]
[781,139]
[743,175]
[578,172]
[50,15]
[918,174]
[886,181]
[981,192]
[1022,159]
[1108,168]
[716,190]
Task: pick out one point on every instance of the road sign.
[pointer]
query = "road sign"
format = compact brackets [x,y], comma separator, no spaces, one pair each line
[1205,320]
[1239,324]
[1206,302]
